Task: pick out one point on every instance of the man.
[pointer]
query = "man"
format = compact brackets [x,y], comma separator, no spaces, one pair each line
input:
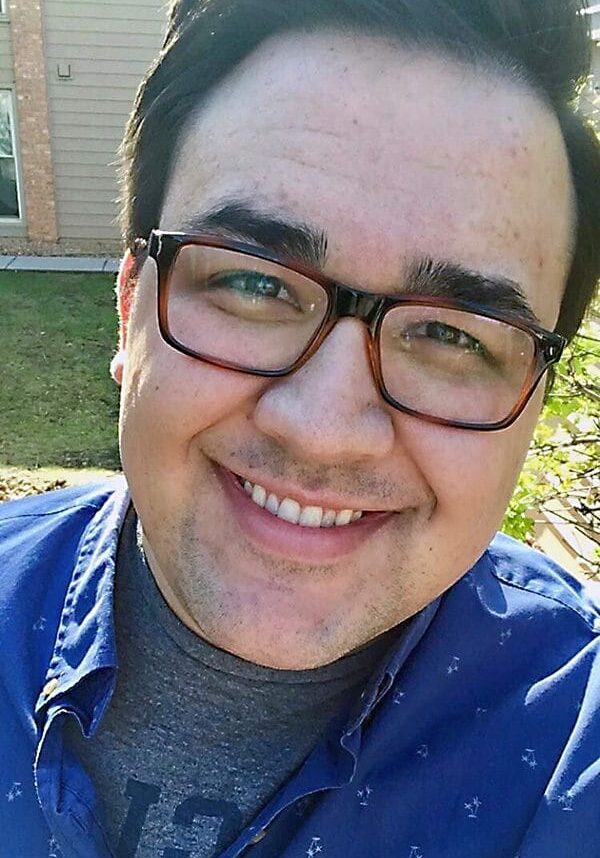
[357,234]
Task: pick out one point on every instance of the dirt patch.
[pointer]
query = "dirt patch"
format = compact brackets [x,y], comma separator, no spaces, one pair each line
[19,482]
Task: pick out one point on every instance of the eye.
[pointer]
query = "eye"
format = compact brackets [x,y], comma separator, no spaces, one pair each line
[253,284]
[448,335]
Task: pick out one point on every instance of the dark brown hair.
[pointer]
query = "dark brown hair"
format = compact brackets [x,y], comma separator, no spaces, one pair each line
[543,43]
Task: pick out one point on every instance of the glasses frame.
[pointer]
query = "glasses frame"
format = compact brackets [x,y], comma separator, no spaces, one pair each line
[345,302]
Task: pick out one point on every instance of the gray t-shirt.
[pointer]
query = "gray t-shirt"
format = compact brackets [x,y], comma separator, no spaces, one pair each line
[195,740]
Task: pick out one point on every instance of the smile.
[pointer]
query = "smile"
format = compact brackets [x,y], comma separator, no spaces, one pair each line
[289,529]
[290,510]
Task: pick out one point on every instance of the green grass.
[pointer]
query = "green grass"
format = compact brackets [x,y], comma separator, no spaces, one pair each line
[58,404]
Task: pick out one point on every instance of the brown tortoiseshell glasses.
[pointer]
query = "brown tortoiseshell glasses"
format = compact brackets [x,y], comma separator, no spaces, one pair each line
[237,306]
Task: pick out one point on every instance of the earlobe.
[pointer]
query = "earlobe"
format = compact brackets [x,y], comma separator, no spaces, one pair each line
[117,367]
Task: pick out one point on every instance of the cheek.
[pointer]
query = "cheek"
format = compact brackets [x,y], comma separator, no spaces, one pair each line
[168,397]
[471,473]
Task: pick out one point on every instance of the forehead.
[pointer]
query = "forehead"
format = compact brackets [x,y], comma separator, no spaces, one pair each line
[395,155]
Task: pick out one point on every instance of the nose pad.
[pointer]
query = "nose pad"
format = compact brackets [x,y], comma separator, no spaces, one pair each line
[330,409]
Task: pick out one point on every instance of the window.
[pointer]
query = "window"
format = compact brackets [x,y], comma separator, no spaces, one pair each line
[9,188]
[2,7]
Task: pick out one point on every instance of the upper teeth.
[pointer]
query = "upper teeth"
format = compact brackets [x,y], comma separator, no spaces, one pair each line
[290,510]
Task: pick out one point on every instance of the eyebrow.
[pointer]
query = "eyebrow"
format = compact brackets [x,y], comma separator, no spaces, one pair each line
[444,279]
[286,238]
[239,219]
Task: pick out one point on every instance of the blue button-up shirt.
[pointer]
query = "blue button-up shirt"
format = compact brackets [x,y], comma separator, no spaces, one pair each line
[479,736]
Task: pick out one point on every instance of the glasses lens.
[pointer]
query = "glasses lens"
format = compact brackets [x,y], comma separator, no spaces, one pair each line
[240,309]
[454,364]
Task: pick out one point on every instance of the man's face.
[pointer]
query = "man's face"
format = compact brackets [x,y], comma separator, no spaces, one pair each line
[395,157]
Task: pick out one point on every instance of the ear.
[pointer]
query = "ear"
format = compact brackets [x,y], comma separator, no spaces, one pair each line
[126,282]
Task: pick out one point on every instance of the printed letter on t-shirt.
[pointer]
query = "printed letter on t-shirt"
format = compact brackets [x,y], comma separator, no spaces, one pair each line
[142,796]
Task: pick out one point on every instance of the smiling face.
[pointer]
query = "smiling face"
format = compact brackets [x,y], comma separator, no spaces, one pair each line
[394,157]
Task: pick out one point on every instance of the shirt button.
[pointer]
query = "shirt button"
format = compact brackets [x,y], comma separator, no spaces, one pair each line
[50,686]
[258,837]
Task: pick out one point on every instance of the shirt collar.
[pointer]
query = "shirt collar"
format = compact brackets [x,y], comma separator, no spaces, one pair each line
[85,643]
[383,679]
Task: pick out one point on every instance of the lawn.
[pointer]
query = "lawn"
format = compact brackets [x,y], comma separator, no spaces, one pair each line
[58,404]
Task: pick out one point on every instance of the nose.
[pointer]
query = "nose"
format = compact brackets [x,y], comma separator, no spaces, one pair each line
[330,410]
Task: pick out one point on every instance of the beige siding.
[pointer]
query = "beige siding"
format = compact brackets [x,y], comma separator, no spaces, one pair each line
[108,47]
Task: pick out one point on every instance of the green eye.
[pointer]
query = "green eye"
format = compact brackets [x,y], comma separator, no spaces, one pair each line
[448,335]
[252,284]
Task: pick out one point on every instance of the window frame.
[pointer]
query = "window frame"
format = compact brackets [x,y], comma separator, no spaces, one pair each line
[13,219]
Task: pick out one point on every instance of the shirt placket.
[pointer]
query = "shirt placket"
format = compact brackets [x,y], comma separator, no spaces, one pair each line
[71,811]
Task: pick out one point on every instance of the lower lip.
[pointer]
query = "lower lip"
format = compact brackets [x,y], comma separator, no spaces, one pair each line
[312,544]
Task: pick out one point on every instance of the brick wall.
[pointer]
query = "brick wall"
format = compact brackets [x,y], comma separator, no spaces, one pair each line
[33,123]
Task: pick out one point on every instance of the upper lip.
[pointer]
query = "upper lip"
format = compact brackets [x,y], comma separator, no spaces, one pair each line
[306,498]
